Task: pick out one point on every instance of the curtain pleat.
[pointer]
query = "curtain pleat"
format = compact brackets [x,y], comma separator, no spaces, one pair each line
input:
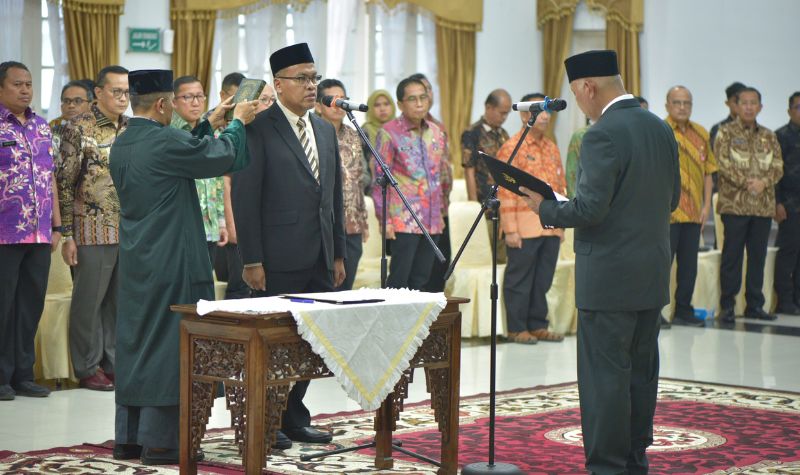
[92,34]
[194,43]
[556,44]
[626,43]
[455,53]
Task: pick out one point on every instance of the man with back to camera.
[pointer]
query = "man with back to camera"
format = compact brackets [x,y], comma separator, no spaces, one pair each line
[628,184]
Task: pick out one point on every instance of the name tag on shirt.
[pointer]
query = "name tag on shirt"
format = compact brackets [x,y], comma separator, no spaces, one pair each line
[9,143]
[104,145]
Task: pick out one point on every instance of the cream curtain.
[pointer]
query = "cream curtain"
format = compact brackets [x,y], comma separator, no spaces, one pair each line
[92,32]
[11,12]
[624,21]
[555,19]
[194,41]
[55,23]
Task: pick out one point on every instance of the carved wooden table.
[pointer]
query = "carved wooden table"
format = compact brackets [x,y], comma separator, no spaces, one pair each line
[261,355]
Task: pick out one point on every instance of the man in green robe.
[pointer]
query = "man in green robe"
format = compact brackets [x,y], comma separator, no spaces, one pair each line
[163,258]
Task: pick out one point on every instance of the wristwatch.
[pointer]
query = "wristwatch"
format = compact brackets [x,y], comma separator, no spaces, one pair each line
[58,229]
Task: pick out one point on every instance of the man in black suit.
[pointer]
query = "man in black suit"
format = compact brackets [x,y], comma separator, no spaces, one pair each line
[628,184]
[288,206]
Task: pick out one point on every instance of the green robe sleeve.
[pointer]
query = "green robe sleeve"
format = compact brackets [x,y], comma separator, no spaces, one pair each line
[199,154]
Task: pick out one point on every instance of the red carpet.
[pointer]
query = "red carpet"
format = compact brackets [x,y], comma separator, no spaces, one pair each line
[700,428]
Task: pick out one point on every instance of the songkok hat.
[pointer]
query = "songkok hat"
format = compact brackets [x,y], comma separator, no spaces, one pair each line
[596,63]
[147,81]
[289,56]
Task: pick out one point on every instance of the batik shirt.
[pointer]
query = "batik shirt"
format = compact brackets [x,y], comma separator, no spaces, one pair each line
[696,162]
[88,200]
[415,155]
[481,137]
[56,126]
[788,189]
[743,153]
[573,158]
[355,210]
[210,192]
[541,159]
[446,168]
[26,179]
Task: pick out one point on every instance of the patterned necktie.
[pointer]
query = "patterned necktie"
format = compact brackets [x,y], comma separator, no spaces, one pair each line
[312,158]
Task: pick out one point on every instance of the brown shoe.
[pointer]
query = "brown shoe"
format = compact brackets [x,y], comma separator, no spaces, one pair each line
[543,335]
[524,338]
[97,382]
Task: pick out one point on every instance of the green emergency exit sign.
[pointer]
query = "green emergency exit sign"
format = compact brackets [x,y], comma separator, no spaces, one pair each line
[144,40]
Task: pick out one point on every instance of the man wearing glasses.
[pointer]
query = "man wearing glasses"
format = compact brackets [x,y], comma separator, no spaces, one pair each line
[415,149]
[189,104]
[76,97]
[288,207]
[90,217]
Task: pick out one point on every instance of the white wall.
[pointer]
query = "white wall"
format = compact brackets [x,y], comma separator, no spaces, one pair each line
[143,14]
[706,45]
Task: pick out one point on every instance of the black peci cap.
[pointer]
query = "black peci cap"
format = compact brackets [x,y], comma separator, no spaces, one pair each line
[289,56]
[596,63]
[147,81]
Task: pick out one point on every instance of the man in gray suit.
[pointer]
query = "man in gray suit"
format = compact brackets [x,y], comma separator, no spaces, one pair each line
[287,206]
[628,184]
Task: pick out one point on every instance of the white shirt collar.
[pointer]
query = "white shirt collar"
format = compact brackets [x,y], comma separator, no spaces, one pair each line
[291,116]
[615,100]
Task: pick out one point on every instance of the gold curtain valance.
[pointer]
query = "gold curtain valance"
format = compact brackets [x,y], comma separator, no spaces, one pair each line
[113,7]
[549,10]
[628,13]
[464,15]
[238,6]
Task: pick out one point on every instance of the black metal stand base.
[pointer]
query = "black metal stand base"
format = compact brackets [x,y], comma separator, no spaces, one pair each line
[396,445]
[485,467]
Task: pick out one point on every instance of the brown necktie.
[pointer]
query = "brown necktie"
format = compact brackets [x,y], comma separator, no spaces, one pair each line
[306,144]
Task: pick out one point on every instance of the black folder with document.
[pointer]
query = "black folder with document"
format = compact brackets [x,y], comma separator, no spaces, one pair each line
[511,178]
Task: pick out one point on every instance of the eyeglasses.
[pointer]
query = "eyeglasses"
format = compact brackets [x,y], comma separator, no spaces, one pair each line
[421,98]
[267,100]
[681,103]
[190,98]
[78,101]
[304,80]
[120,93]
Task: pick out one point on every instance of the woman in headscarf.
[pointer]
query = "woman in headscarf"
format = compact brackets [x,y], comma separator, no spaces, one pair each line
[381,110]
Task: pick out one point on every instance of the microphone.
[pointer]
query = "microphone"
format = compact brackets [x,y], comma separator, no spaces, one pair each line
[547,105]
[334,101]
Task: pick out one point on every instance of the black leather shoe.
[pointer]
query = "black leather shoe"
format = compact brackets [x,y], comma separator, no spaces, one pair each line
[727,316]
[665,324]
[166,457]
[127,451]
[691,321]
[759,314]
[6,393]
[31,389]
[308,434]
[281,441]
[790,309]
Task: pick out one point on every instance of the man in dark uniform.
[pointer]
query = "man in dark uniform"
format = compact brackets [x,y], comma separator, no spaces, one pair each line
[163,257]
[628,183]
[288,207]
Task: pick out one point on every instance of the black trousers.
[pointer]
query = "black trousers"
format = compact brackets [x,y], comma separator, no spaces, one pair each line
[750,233]
[684,242]
[236,288]
[617,385]
[354,251]
[316,279]
[412,261]
[528,276]
[24,270]
[787,261]
[438,269]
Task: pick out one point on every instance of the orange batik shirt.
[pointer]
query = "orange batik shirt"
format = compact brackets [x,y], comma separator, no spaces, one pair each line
[696,162]
[541,159]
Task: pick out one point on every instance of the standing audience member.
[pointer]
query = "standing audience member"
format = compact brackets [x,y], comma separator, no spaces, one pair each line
[381,110]
[189,103]
[30,228]
[288,207]
[732,96]
[573,158]
[750,166]
[266,99]
[163,256]
[415,150]
[787,214]
[643,102]
[76,97]
[629,182]
[532,250]
[697,163]
[353,171]
[90,215]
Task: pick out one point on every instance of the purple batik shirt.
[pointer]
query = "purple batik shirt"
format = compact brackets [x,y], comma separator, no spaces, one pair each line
[26,179]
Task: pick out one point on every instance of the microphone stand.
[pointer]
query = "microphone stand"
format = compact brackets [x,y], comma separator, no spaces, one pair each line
[384,181]
[491,202]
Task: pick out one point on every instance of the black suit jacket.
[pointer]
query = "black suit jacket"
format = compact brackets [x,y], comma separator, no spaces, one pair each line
[628,183]
[283,216]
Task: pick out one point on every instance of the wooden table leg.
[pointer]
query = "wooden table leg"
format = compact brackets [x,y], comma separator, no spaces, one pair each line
[254,457]
[188,465]
[451,402]
[384,420]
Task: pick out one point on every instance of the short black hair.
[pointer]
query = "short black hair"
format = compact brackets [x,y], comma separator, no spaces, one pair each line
[641,100]
[532,95]
[326,84]
[101,76]
[493,99]
[81,84]
[143,102]
[794,96]
[5,66]
[420,77]
[734,89]
[232,79]
[401,88]
[748,89]
[183,80]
